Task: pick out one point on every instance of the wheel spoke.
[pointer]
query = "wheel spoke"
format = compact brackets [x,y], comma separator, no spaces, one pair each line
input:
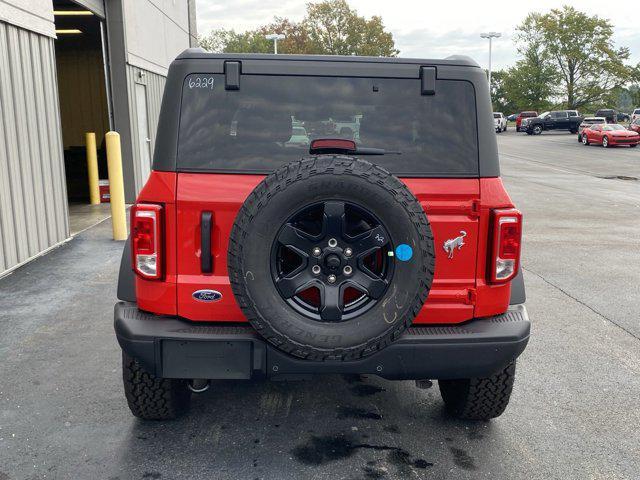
[333,220]
[295,282]
[373,286]
[296,239]
[375,238]
[331,303]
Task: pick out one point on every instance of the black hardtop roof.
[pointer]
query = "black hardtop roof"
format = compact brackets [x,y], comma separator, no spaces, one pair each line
[453,60]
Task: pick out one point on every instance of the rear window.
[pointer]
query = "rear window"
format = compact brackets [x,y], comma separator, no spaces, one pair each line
[272,119]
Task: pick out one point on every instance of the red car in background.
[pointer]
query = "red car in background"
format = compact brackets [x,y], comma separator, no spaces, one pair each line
[635,125]
[521,115]
[609,136]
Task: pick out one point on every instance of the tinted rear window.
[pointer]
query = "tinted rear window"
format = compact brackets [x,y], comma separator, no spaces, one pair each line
[271,120]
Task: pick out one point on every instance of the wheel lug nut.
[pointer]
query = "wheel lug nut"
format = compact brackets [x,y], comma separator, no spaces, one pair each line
[316,251]
[331,279]
[347,270]
[315,269]
[333,242]
[348,252]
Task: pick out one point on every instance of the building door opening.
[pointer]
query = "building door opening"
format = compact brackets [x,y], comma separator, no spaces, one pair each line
[84,104]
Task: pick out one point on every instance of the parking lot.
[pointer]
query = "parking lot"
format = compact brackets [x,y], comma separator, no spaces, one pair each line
[574,412]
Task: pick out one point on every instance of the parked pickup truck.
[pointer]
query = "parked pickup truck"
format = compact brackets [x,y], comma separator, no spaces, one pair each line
[568,120]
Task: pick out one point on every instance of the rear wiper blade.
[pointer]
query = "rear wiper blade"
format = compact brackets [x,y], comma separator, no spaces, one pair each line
[344,146]
[374,151]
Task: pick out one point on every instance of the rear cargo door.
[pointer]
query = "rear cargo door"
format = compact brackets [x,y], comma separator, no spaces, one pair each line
[237,127]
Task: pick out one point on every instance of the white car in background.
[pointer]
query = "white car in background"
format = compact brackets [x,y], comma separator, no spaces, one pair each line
[634,115]
[500,122]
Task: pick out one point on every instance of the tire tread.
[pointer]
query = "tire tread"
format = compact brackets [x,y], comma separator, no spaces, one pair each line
[150,397]
[479,398]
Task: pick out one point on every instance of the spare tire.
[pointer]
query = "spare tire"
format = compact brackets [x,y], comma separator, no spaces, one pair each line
[331,258]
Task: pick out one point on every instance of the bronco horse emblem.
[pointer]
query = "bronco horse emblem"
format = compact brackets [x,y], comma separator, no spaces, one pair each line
[451,244]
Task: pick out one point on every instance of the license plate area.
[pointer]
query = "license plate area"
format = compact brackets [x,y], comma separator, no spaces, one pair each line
[225,360]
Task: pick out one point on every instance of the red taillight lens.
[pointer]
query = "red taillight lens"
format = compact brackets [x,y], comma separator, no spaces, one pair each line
[507,238]
[146,240]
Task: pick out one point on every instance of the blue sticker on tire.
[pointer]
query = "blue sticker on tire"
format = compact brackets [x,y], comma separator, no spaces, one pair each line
[404,252]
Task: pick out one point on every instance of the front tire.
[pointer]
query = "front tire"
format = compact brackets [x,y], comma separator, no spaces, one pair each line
[150,397]
[537,130]
[585,140]
[605,142]
[479,398]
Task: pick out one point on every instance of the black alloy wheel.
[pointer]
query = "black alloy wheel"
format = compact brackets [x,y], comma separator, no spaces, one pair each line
[332,261]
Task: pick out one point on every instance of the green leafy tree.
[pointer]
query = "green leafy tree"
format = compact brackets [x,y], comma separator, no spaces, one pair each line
[337,29]
[502,101]
[330,27]
[577,52]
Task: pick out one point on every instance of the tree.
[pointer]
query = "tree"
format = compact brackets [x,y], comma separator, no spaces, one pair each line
[577,51]
[336,29]
[330,27]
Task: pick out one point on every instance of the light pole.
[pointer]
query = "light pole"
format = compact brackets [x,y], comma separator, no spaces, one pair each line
[490,36]
[275,37]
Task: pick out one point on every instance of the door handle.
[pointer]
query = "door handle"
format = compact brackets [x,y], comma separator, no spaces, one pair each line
[206,226]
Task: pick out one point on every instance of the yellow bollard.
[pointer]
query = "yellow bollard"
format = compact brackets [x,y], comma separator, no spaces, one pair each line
[116,186]
[92,168]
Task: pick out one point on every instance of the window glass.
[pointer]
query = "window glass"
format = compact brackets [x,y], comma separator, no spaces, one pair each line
[271,120]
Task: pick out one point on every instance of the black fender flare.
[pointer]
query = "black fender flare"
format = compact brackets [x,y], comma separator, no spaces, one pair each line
[518,294]
[126,277]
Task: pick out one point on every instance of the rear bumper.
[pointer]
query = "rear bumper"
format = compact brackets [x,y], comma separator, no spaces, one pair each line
[174,348]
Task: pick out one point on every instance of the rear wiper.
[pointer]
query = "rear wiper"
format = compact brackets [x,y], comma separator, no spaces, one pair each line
[342,146]
[374,151]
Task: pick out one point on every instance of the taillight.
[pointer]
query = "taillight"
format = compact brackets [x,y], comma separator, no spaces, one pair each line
[146,240]
[507,238]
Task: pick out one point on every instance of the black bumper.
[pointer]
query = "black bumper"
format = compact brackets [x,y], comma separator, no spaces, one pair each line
[174,348]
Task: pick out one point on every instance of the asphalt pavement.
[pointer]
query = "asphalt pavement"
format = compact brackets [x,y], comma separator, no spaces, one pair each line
[574,413]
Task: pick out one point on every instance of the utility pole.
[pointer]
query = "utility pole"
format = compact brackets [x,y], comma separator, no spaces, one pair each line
[490,36]
[275,37]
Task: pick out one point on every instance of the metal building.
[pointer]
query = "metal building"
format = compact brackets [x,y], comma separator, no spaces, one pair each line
[66,68]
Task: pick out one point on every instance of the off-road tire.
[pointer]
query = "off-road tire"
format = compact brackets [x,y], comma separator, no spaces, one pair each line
[289,188]
[479,398]
[150,397]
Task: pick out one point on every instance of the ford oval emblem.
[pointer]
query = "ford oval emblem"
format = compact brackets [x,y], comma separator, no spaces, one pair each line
[206,295]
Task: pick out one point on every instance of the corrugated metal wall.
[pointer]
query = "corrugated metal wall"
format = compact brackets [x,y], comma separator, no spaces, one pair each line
[154,87]
[33,199]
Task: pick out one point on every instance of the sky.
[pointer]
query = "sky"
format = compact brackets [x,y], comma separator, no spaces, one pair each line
[430,29]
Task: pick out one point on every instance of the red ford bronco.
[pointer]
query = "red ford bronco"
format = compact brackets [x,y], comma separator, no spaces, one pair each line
[322,215]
